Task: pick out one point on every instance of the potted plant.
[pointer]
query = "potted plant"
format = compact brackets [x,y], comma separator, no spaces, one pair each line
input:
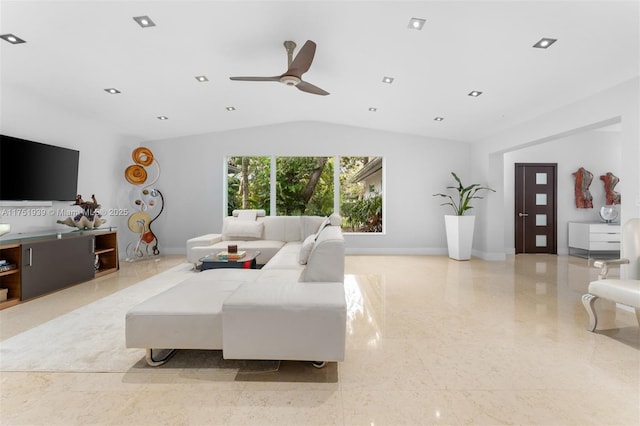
[458,226]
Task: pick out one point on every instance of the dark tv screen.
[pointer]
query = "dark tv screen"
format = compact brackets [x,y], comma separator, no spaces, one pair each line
[32,171]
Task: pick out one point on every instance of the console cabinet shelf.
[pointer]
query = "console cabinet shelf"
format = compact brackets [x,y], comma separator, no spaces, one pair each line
[10,279]
[52,262]
[106,252]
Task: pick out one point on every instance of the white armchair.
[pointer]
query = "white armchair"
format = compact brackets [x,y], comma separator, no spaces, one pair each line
[624,290]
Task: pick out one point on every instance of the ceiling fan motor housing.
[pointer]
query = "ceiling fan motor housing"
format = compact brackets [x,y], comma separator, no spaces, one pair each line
[290,80]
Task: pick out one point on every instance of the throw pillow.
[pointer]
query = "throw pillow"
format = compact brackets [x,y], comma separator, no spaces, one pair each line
[305,249]
[324,224]
[242,230]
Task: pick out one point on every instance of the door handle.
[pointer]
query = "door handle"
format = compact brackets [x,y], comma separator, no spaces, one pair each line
[30,250]
[523,214]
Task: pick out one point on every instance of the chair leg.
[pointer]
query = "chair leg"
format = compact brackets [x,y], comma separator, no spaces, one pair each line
[588,300]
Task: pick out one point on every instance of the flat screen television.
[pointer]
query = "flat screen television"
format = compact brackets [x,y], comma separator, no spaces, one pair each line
[33,171]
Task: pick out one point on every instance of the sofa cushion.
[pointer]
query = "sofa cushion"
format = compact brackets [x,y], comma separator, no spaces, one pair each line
[326,261]
[242,230]
[309,225]
[194,304]
[286,258]
[285,320]
[282,228]
[305,249]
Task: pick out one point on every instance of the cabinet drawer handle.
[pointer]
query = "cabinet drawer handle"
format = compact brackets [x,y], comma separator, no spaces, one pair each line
[30,250]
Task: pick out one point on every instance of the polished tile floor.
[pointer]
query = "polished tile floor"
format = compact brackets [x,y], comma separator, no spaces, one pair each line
[429,341]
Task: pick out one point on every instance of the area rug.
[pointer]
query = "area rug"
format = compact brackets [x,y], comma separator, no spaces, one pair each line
[92,338]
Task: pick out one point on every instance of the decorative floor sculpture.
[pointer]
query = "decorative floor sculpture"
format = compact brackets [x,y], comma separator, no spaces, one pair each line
[146,201]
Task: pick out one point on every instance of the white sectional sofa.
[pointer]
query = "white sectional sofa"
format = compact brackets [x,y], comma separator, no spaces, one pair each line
[286,310]
[256,231]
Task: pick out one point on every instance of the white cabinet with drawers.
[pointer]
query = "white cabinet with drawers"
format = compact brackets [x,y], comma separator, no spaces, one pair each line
[586,238]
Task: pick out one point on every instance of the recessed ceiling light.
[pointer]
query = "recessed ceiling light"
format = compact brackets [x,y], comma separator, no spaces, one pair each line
[475,93]
[230,108]
[372,109]
[144,21]
[112,91]
[13,39]
[439,118]
[202,78]
[545,42]
[416,23]
[162,117]
[387,80]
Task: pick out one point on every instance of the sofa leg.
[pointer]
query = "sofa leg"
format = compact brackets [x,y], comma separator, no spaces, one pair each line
[158,362]
[319,364]
[588,300]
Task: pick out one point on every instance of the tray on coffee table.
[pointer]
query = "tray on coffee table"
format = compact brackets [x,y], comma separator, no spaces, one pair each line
[212,261]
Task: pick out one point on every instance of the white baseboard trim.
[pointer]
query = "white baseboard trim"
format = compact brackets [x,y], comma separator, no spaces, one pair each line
[395,251]
[490,256]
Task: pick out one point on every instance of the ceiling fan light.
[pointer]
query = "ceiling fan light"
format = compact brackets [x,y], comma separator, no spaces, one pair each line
[290,80]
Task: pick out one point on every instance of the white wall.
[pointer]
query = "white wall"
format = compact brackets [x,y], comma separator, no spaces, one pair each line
[415,168]
[104,154]
[596,151]
[619,104]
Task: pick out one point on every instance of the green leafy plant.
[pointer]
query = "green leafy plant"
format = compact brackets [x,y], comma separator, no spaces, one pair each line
[365,215]
[465,194]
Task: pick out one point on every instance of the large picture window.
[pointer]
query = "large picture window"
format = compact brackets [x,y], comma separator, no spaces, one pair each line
[248,184]
[361,194]
[304,186]
[292,186]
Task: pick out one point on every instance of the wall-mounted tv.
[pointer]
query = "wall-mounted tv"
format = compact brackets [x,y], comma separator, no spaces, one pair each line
[32,171]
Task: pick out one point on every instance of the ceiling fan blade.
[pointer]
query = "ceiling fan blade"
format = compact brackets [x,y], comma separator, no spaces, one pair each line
[276,78]
[303,60]
[310,88]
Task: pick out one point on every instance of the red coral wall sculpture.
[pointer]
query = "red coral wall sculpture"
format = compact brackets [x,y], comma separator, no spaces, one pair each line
[610,181]
[584,200]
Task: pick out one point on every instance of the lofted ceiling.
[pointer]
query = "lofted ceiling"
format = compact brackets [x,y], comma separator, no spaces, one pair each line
[76,49]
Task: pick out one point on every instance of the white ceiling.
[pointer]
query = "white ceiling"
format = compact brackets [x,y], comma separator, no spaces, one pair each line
[75,49]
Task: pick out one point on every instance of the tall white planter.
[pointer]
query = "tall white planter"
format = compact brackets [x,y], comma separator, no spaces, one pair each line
[459,236]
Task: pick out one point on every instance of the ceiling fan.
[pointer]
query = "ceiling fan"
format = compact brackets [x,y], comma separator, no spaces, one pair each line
[297,67]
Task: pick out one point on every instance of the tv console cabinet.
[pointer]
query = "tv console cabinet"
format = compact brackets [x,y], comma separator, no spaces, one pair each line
[50,262]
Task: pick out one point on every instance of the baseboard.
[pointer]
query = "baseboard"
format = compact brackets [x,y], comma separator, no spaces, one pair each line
[490,256]
[395,251]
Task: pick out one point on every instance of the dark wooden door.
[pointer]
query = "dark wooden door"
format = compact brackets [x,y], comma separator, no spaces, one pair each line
[535,209]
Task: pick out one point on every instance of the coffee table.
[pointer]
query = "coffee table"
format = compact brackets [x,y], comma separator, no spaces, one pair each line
[248,261]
